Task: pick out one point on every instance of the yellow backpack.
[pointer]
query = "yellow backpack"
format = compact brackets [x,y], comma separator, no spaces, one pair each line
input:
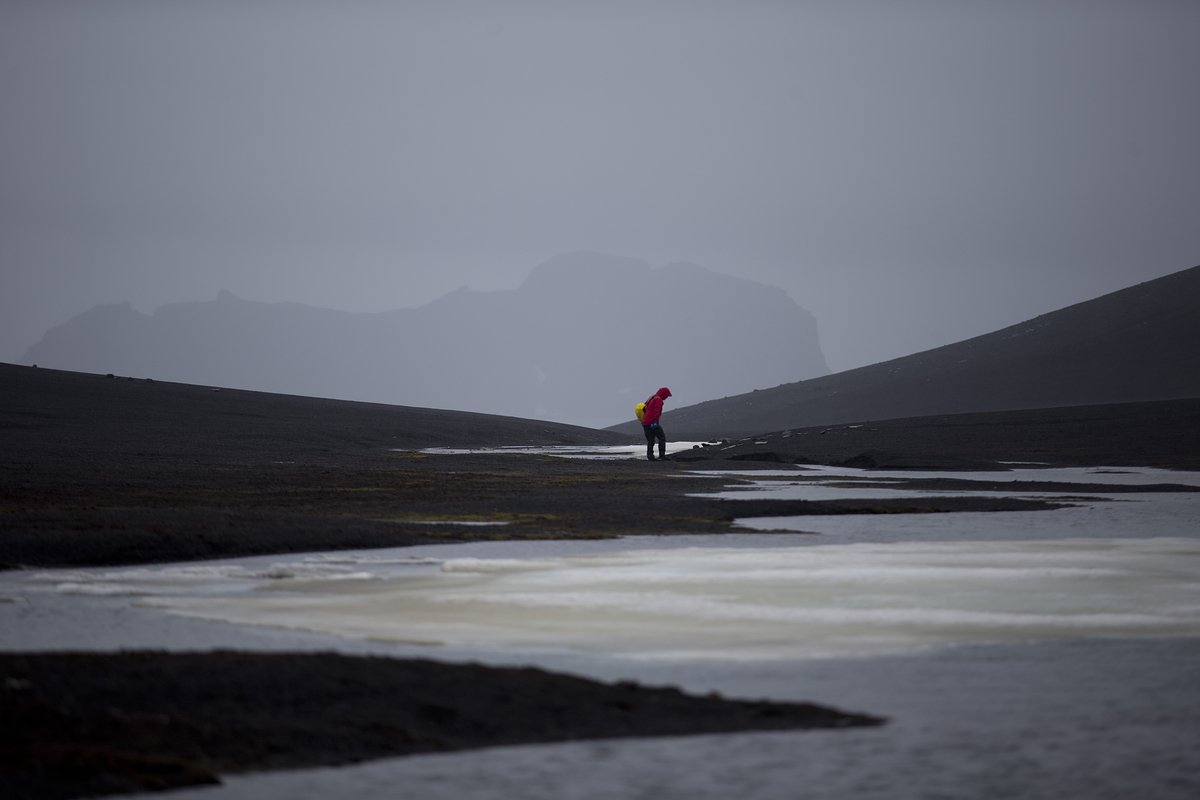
[639,410]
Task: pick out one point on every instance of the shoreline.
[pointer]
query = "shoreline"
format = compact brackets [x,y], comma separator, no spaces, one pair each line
[86,724]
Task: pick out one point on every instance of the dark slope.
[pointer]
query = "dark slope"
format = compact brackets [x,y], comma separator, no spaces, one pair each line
[1138,344]
[76,415]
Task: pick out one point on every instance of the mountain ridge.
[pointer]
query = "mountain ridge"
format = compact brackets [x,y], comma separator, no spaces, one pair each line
[580,341]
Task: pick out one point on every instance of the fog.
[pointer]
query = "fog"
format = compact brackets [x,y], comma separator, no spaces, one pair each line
[911,173]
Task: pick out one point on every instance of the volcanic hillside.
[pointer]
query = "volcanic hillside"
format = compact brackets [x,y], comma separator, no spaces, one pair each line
[1137,344]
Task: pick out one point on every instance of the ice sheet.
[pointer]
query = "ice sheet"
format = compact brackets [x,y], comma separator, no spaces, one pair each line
[715,602]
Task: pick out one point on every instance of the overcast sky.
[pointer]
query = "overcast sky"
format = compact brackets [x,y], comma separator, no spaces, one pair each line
[913,173]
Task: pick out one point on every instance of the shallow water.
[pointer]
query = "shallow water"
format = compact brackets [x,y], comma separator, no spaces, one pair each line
[1031,654]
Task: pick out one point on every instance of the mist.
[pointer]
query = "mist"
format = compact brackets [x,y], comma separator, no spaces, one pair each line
[911,173]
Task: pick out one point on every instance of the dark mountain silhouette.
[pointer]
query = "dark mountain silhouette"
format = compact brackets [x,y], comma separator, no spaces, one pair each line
[1137,344]
[583,339]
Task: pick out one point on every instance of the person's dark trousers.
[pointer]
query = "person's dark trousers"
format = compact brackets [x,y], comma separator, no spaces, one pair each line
[651,435]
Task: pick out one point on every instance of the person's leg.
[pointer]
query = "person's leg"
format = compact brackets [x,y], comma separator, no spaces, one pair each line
[662,441]
[649,441]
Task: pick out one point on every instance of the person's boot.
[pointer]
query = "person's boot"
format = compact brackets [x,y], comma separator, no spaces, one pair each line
[662,455]
[649,455]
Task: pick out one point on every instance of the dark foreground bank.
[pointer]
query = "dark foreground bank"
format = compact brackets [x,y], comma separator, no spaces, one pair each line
[74,725]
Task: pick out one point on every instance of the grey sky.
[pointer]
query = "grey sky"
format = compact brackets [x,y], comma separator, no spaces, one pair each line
[913,173]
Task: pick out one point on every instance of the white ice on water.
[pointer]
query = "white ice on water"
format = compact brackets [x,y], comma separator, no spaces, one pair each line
[707,602]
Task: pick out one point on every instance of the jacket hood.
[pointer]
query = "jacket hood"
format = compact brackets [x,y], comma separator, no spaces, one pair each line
[664,393]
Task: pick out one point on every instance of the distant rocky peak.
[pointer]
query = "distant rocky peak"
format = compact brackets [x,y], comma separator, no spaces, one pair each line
[583,270]
[682,268]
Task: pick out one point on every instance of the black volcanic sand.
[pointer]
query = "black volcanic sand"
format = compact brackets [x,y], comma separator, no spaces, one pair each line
[78,724]
[1162,434]
[98,470]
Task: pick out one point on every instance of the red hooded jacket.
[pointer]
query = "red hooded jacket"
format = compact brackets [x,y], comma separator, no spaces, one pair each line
[654,406]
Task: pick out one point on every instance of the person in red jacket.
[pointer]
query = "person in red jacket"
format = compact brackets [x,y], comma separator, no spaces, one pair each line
[651,426]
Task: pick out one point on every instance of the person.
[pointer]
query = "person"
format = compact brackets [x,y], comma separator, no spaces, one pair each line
[651,425]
